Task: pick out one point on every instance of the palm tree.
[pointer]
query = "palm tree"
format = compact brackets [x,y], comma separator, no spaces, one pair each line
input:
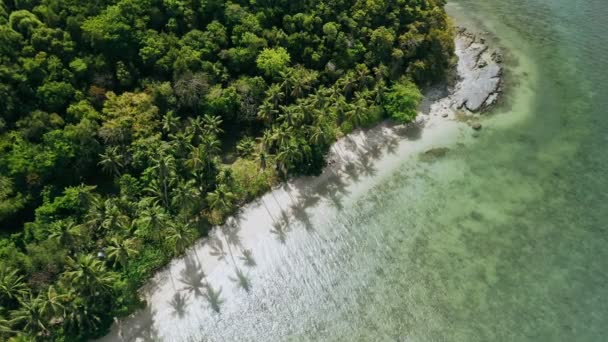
[66,234]
[289,154]
[221,199]
[262,158]
[267,112]
[282,135]
[170,122]
[195,158]
[185,196]
[358,113]
[180,143]
[5,327]
[79,317]
[266,140]
[275,95]
[165,171]
[152,220]
[12,286]
[113,217]
[212,125]
[121,250]
[212,145]
[195,126]
[28,317]
[88,276]
[111,161]
[179,236]
[317,134]
[52,303]
[291,115]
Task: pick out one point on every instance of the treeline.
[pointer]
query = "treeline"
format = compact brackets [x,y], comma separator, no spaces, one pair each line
[128,127]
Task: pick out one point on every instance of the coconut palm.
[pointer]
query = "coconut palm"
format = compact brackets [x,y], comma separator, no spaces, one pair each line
[52,303]
[289,154]
[66,234]
[79,317]
[164,166]
[170,122]
[12,286]
[152,220]
[88,276]
[185,196]
[29,317]
[358,113]
[121,250]
[212,145]
[181,143]
[267,112]
[262,158]
[212,125]
[111,161]
[281,135]
[275,95]
[179,236]
[291,115]
[221,199]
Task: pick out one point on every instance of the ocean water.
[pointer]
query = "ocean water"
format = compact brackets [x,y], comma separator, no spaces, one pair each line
[505,238]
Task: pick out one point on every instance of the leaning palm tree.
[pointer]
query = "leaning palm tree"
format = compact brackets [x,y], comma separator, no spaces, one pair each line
[12,285]
[121,250]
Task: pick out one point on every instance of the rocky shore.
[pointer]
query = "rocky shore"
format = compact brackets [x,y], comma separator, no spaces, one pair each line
[478,82]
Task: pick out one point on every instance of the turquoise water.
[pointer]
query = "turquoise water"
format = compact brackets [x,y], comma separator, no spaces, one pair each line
[503,239]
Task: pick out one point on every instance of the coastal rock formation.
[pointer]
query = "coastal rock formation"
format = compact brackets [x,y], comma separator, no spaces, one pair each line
[479,71]
[478,83]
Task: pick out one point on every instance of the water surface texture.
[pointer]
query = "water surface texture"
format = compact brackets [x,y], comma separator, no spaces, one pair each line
[505,238]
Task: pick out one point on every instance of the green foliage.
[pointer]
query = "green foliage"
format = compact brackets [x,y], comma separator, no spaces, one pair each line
[273,61]
[115,118]
[402,101]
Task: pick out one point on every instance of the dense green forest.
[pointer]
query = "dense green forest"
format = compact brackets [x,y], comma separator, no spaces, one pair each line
[129,127]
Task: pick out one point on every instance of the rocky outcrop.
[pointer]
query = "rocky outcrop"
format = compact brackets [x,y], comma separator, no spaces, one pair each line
[479,70]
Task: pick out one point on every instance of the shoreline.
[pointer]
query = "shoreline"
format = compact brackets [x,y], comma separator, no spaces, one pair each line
[355,163]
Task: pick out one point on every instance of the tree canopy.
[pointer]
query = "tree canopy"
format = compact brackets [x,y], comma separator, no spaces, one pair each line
[129,127]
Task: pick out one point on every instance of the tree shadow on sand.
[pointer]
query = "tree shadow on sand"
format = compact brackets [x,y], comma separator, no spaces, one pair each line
[193,277]
[217,248]
[279,229]
[247,258]
[241,280]
[213,298]
[178,304]
[142,327]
